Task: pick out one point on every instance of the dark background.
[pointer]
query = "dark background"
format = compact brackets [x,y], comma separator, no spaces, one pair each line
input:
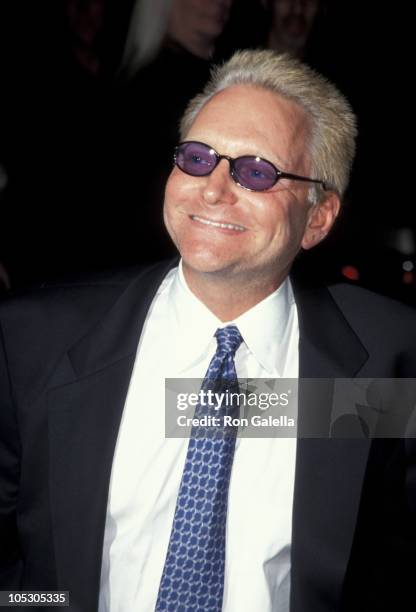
[76,136]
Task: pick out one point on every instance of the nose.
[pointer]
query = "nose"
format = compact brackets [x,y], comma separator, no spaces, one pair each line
[219,187]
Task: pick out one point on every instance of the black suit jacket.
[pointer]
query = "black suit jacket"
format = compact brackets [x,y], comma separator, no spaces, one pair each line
[65,363]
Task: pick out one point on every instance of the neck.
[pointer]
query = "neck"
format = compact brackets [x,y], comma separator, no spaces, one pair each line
[228,298]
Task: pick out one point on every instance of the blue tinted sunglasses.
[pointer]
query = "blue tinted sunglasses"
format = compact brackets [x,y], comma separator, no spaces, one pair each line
[249,171]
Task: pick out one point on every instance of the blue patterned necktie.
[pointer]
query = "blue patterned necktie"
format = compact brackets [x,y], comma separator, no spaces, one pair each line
[193,575]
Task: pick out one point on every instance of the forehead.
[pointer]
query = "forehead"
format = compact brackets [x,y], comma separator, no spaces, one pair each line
[249,119]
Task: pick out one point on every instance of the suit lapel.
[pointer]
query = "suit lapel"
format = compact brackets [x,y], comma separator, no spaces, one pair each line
[116,335]
[84,417]
[329,472]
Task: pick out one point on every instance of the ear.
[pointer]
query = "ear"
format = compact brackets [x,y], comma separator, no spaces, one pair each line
[321,219]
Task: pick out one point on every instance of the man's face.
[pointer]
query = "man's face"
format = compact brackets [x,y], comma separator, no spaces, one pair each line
[272,225]
[293,21]
[205,18]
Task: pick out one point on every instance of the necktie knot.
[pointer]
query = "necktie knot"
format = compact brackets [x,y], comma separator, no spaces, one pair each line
[228,339]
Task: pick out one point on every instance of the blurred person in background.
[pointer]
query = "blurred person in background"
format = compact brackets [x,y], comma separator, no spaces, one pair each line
[291,24]
[197,25]
[157,84]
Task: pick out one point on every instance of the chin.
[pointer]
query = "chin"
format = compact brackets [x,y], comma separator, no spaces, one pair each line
[206,262]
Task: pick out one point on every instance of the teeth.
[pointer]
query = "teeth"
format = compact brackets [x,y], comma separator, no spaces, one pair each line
[231,226]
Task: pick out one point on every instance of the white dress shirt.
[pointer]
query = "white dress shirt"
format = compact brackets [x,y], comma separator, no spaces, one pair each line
[178,341]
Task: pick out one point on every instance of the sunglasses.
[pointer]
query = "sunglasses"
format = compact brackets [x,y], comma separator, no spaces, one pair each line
[249,171]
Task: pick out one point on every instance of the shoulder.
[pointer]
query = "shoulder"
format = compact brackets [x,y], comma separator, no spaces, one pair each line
[333,315]
[64,301]
[373,308]
[79,295]
[60,312]
[375,317]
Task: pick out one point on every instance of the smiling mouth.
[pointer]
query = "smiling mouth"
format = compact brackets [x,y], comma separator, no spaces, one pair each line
[229,226]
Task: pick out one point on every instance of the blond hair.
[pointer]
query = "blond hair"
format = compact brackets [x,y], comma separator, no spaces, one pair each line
[333,126]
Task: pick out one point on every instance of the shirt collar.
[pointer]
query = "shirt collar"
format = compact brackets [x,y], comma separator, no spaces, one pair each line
[266,330]
[264,327]
[194,323]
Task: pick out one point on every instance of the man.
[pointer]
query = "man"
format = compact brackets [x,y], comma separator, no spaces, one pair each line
[292,23]
[93,494]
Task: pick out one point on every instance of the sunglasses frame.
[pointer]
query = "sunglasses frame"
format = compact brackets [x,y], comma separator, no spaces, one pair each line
[231,160]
